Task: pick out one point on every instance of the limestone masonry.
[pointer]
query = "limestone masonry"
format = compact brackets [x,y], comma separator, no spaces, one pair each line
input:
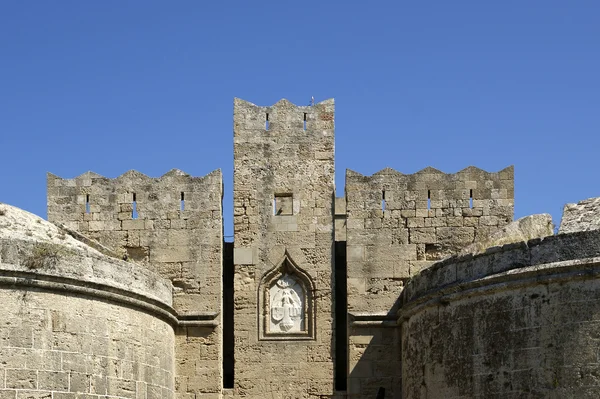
[410,286]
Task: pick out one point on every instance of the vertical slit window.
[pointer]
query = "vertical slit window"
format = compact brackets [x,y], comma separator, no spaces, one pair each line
[305,121]
[383,200]
[340,316]
[134,212]
[428,199]
[267,122]
[228,346]
[471,198]
[87,203]
[182,202]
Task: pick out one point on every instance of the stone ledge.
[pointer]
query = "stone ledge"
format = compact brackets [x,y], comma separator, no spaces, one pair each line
[458,269]
[366,319]
[16,279]
[89,267]
[535,274]
[562,257]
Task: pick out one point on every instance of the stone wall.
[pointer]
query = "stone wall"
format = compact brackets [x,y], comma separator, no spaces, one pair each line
[517,320]
[397,225]
[62,346]
[283,226]
[584,215]
[172,225]
[77,323]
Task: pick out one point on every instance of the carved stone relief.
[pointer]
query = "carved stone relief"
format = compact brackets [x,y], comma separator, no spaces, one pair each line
[287,305]
[286,310]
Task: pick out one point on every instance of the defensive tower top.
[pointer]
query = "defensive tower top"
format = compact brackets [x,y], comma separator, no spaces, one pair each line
[283,116]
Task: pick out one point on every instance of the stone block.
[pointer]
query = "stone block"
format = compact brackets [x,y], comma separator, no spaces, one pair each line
[422,235]
[355,253]
[583,216]
[355,224]
[135,224]
[21,379]
[415,222]
[340,206]
[171,254]
[53,380]
[245,256]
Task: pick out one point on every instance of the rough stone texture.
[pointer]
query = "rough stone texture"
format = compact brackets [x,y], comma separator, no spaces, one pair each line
[30,244]
[274,159]
[515,321]
[144,220]
[77,323]
[397,225]
[340,219]
[524,229]
[63,346]
[582,216]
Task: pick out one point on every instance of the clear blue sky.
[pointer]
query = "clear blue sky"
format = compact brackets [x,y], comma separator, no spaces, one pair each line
[116,85]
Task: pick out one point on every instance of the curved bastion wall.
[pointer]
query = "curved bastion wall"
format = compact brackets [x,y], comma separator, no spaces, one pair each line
[521,320]
[76,322]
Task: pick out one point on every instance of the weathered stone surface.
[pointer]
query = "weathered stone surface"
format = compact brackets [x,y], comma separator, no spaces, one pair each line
[490,325]
[76,322]
[284,231]
[171,225]
[582,216]
[524,229]
[396,226]
[137,313]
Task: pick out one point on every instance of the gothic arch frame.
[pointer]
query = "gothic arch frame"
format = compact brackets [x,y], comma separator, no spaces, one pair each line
[286,266]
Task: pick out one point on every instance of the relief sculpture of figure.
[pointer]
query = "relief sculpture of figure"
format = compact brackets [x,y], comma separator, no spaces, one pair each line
[286,305]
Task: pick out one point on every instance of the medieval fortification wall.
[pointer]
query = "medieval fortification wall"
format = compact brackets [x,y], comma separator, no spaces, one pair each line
[131,292]
[396,226]
[283,224]
[171,225]
[76,322]
[517,320]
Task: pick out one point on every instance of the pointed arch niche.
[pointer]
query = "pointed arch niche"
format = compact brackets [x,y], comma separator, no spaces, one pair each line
[286,303]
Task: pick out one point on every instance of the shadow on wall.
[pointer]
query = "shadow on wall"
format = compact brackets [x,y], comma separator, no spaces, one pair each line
[374,355]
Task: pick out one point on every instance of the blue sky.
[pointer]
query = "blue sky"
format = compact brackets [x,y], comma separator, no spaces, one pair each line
[111,86]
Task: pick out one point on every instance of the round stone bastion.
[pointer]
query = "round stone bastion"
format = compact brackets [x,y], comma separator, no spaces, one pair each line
[517,321]
[77,323]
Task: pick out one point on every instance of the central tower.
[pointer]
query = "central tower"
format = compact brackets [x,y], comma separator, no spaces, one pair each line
[283,249]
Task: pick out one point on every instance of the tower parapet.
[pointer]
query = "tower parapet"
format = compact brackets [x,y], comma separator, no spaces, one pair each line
[397,225]
[173,226]
[283,225]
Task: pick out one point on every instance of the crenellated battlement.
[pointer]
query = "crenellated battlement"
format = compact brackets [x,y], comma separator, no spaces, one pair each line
[310,286]
[133,200]
[282,117]
[397,224]
[470,189]
[172,224]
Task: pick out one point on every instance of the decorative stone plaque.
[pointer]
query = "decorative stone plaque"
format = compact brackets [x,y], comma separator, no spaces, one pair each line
[286,308]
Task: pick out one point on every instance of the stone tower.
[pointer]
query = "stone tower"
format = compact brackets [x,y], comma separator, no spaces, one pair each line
[283,262]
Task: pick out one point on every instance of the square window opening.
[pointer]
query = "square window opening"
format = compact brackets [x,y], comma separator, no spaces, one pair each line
[283,204]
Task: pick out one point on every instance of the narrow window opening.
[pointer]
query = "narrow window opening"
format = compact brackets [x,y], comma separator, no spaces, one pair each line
[383,200]
[305,121]
[267,122]
[283,204]
[134,212]
[182,202]
[87,203]
[428,199]
[471,198]
[341,317]
[228,310]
